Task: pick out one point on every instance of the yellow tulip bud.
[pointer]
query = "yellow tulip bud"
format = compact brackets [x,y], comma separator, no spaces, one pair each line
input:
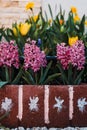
[76,18]
[61,21]
[49,21]
[73,9]
[15,30]
[35,18]
[72,40]
[86,23]
[24,28]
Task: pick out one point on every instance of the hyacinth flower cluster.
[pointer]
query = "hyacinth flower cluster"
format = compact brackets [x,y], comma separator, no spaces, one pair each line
[9,55]
[34,58]
[74,55]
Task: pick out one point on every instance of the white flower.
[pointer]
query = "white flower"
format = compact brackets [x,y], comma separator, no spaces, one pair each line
[59,103]
[81,104]
[33,103]
[6,104]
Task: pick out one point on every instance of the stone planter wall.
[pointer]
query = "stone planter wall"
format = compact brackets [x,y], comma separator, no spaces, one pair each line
[51,106]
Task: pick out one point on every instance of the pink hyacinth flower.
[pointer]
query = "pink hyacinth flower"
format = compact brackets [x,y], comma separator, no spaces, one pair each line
[9,55]
[34,58]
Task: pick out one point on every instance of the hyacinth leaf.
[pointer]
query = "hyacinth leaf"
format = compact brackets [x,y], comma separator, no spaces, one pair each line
[45,73]
[70,79]
[41,74]
[7,74]
[29,78]
[50,78]
[17,78]
[63,75]
[2,83]
[26,79]
[78,79]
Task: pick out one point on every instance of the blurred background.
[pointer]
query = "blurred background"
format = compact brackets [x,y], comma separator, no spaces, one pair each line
[14,10]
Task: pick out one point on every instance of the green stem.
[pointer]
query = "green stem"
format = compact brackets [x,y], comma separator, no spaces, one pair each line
[36,79]
[7,73]
[10,74]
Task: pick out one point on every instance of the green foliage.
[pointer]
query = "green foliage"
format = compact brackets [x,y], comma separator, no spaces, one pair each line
[51,32]
[2,83]
[41,77]
[10,76]
[2,29]
[71,76]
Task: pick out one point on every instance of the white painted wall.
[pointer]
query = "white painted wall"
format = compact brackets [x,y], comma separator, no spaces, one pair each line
[81,6]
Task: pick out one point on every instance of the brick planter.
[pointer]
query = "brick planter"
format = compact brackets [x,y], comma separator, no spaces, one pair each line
[51,106]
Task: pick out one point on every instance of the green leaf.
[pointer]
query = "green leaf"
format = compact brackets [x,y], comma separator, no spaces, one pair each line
[41,74]
[45,73]
[17,78]
[2,83]
[7,74]
[52,77]
[29,77]
[27,80]
[70,78]
[82,25]
[78,79]
[70,25]
[46,16]
[50,11]
[63,75]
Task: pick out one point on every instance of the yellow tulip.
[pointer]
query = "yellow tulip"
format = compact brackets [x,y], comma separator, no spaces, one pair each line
[24,28]
[72,40]
[76,18]
[49,21]
[35,18]
[15,30]
[29,5]
[73,10]
[86,23]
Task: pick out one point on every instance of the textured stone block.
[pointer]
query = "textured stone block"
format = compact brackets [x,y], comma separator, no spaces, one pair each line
[8,94]
[80,106]
[33,106]
[58,106]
